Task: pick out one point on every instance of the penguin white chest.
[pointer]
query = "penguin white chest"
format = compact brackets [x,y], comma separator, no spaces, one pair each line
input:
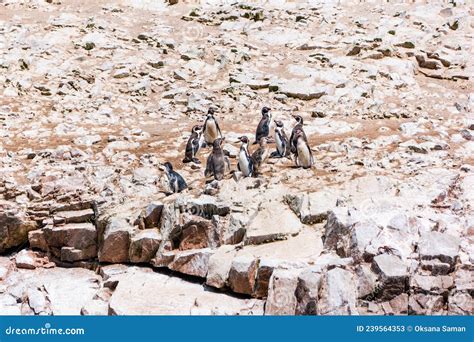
[244,163]
[210,134]
[279,143]
[304,154]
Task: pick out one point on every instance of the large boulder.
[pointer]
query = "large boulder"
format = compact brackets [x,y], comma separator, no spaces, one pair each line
[281,292]
[440,248]
[14,226]
[193,262]
[393,275]
[144,245]
[115,244]
[307,292]
[196,233]
[265,227]
[140,291]
[313,207]
[242,274]
[338,293]
[219,266]
[72,241]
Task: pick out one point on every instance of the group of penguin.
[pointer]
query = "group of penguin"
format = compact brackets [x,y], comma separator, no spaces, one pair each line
[209,134]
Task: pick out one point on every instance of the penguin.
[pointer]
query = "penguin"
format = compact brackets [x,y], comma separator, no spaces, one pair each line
[193,145]
[260,154]
[298,127]
[211,130]
[263,128]
[303,154]
[245,163]
[282,143]
[175,180]
[217,163]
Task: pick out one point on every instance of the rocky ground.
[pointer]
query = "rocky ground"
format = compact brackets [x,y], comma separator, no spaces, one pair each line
[96,95]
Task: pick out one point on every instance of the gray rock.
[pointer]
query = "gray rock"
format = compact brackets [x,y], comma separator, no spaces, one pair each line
[300,90]
[307,291]
[441,246]
[393,275]
[193,262]
[144,245]
[281,293]
[242,274]
[338,293]
[14,227]
[313,207]
[115,243]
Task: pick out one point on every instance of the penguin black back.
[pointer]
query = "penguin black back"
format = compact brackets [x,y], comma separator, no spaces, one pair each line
[298,127]
[216,162]
[175,180]
[193,145]
[263,128]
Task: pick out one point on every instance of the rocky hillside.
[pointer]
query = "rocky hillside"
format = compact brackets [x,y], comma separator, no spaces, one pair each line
[95,96]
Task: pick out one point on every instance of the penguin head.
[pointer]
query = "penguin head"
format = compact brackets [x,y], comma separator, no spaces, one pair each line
[298,119]
[278,123]
[196,129]
[299,134]
[211,111]
[218,143]
[244,139]
[168,166]
[265,110]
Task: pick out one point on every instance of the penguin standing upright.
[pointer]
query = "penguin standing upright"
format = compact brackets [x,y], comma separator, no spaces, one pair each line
[211,130]
[217,163]
[260,154]
[245,163]
[175,180]
[263,128]
[193,145]
[303,154]
[282,143]
[298,127]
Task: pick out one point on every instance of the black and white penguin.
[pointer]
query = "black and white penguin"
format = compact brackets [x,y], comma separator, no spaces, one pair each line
[260,154]
[193,145]
[298,127]
[282,143]
[303,154]
[245,163]
[263,128]
[217,163]
[175,180]
[211,130]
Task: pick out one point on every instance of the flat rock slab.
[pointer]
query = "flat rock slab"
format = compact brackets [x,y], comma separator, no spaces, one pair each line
[273,221]
[390,266]
[67,289]
[436,245]
[144,292]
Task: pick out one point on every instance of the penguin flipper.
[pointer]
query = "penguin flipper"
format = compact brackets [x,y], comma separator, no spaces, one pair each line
[218,128]
[227,162]
[209,167]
